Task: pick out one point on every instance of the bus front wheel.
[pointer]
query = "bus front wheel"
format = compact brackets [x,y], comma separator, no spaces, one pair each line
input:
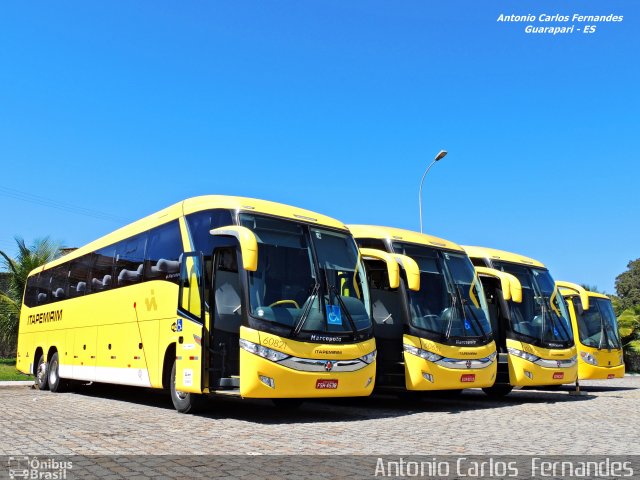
[183,402]
[498,391]
[42,376]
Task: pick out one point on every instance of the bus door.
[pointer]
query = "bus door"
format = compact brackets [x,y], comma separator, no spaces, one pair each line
[224,339]
[189,326]
[500,288]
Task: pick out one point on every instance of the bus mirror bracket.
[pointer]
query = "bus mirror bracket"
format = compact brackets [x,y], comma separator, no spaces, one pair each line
[574,287]
[248,244]
[510,285]
[411,270]
[393,271]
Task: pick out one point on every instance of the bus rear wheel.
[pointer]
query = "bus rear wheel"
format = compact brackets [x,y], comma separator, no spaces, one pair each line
[182,401]
[56,384]
[498,391]
[42,376]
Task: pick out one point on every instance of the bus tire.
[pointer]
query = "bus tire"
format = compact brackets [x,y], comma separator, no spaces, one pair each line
[56,384]
[182,401]
[287,403]
[42,375]
[498,391]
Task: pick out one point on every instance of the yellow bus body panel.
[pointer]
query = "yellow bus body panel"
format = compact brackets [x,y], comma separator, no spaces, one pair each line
[290,383]
[610,363]
[118,336]
[540,375]
[446,378]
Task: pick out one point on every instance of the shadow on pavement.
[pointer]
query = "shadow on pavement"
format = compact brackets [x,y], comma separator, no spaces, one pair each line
[339,409]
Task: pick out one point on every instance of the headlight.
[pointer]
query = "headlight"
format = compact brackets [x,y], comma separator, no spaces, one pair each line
[261,351]
[519,353]
[369,357]
[587,357]
[430,356]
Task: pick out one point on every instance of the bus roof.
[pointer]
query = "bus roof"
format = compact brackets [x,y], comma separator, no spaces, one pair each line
[373,231]
[492,253]
[196,204]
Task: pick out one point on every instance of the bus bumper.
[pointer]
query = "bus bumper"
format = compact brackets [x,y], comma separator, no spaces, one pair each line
[523,373]
[587,371]
[420,374]
[262,378]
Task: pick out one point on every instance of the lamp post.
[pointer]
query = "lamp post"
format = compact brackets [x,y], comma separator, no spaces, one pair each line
[439,157]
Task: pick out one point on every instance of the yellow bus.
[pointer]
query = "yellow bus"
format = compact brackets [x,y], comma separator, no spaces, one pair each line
[595,328]
[431,325]
[531,323]
[213,295]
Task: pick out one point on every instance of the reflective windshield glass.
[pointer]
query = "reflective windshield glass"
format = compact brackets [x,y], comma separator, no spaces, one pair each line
[450,301]
[598,326]
[542,314]
[289,288]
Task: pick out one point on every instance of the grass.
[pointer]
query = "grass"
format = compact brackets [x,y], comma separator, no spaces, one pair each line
[8,370]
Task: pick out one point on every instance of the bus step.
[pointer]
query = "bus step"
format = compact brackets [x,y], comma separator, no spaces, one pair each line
[228,382]
[230,393]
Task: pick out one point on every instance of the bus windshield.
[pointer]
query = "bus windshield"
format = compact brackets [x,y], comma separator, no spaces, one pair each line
[598,327]
[450,302]
[542,315]
[309,279]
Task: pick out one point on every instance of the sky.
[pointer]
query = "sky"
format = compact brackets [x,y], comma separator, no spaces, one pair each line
[110,111]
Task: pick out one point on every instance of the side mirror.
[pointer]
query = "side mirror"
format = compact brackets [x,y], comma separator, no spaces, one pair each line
[575,288]
[393,271]
[411,269]
[509,284]
[248,244]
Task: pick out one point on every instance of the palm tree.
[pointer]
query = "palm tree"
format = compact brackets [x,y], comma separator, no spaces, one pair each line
[29,257]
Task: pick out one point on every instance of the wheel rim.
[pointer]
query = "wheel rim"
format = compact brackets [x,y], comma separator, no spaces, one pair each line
[42,370]
[181,395]
[53,373]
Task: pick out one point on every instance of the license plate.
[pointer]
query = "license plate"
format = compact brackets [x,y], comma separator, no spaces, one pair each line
[558,375]
[610,376]
[326,384]
[468,377]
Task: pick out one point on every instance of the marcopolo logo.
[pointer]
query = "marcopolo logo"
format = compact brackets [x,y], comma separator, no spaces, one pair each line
[38,469]
[45,317]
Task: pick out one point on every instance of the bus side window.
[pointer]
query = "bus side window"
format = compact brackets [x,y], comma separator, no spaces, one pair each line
[78,276]
[102,270]
[59,282]
[130,260]
[44,288]
[164,253]
[31,292]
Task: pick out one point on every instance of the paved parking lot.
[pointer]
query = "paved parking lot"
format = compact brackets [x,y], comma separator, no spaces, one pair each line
[104,420]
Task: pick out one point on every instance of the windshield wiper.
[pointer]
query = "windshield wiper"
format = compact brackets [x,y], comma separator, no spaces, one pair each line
[343,307]
[554,319]
[466,306]
[297,327]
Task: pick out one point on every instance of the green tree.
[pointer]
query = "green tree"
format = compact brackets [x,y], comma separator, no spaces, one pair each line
[629,328]
[628,285]
[591,288]
[29,257]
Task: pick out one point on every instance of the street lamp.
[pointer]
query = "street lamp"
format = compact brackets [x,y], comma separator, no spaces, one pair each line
[439,157]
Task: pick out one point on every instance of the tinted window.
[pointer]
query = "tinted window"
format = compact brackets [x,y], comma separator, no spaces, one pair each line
[78,276]
[31,291]
[130,260]
[102,270]
[201,223]
[59,282]
[164,253]
[371,243]
[44,288]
